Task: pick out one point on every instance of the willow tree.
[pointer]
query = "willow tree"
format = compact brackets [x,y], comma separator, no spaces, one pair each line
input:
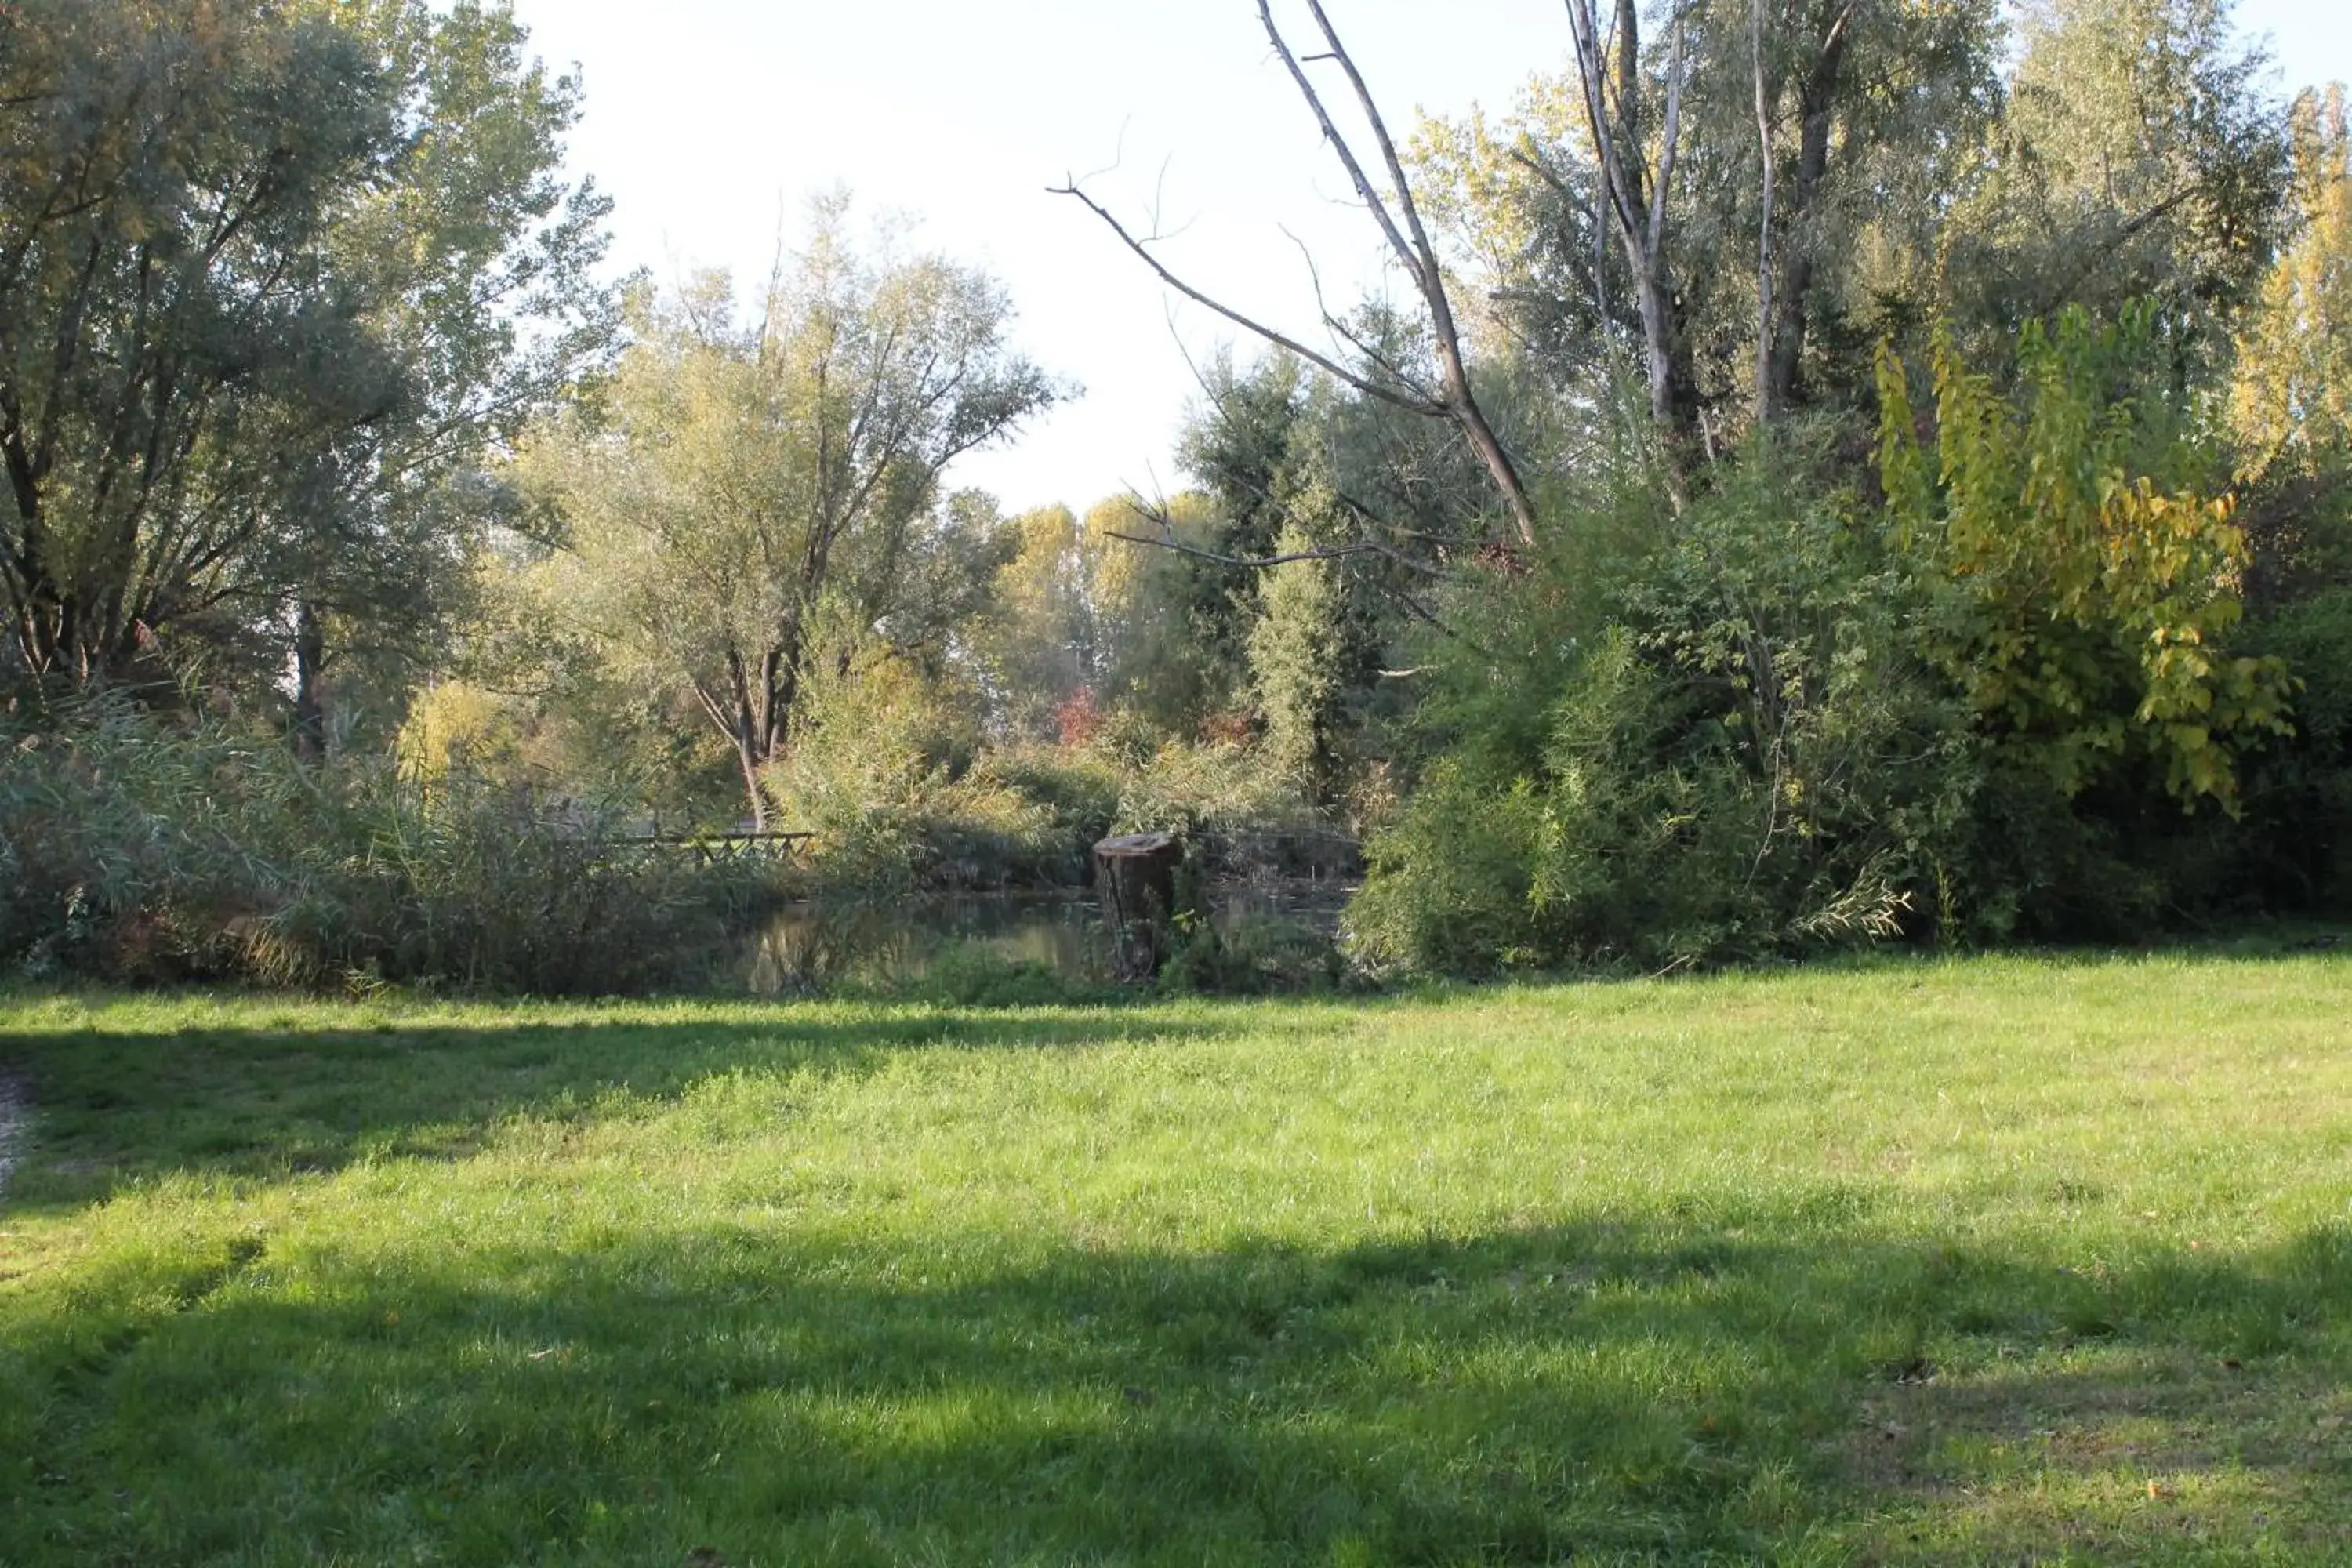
[751,498]
[271,278]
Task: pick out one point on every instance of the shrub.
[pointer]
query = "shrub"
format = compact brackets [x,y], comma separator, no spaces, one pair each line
[887,769]
[2295,849]
[2002,704]
[1747,761]
[143,848]
[2086,589]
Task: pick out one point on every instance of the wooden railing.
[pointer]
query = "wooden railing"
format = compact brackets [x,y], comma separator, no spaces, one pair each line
[711,848]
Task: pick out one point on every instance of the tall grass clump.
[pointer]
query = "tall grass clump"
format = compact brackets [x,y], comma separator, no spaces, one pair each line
[144,847]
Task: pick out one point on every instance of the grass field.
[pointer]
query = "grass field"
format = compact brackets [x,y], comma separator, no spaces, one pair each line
[1976,1261]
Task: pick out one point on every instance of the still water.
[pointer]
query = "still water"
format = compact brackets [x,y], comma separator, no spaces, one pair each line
[1060,932]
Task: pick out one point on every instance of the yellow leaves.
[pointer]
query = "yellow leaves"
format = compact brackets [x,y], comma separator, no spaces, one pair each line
[2291,397]
[455,727]
[2093,600]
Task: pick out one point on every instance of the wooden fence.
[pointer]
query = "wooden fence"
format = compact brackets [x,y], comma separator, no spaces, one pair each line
[717,848]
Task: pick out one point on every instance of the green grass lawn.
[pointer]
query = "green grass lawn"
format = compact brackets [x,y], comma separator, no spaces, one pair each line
[1985,1261]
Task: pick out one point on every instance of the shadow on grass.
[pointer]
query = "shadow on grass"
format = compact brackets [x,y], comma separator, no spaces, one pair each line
[1602,1393]
[111,1107]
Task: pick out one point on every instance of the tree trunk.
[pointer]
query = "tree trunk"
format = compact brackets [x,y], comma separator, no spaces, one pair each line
[744,728]
[1136,875]
[1765,341]
[1637,195]
[747,755]
[309,703]
[1817,107]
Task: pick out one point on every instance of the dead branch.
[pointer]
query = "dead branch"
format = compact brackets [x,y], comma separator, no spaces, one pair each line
[1418,254]
[1243,562]
[1400,225]
[1323,361]
[1158,514]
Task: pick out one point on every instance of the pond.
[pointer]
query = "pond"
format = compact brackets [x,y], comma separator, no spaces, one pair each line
[1060,932]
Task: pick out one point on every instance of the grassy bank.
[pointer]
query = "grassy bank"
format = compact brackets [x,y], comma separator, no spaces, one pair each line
[1946,1262]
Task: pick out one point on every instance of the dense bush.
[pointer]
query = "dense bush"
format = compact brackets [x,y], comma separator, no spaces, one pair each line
[1743,757]
[140,847]
[2295,850]
[2012,698]
[889,771]
[885,771]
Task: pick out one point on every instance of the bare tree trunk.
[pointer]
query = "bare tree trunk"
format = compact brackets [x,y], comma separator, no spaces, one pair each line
[1637,206]
[750,762]
[747,740]
[1817,106]
[1765,339]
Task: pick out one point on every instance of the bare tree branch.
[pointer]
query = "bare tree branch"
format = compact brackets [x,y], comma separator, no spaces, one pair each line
[1407,237]
[1280,340]
[1419,257]
[1244,563]
[1158,514]
[1355,340]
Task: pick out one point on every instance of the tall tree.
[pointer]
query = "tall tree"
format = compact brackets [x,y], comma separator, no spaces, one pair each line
[2291,397]
[270,278]
[758,496]
[2138,158]
[1712,199]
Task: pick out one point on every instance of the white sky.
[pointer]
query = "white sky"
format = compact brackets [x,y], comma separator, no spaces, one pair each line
[711,122]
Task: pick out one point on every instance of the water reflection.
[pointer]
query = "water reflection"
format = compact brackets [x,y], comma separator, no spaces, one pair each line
[1060,932]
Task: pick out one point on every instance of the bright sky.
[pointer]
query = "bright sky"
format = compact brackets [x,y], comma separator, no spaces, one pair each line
[711,122]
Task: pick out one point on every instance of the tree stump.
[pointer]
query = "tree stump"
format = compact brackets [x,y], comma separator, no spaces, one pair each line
[1137,875]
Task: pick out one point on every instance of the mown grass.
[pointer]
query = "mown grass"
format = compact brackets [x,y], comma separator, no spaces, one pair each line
[1999,1260]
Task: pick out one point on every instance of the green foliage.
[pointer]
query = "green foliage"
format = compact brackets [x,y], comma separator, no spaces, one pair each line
[2138,158]
[274,278]
[1040,641]
[2296,849]
[1165,620]
[1253,954]
[1879,110]
[890,771]
[2091,590]
[1293,674]
[1746,760]
[2291,392]
[1236,814]
[884,770]
[143,850]
[751,503]
[1449,889]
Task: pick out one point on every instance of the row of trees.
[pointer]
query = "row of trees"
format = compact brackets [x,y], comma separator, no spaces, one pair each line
[1833,469]
[1937,499]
